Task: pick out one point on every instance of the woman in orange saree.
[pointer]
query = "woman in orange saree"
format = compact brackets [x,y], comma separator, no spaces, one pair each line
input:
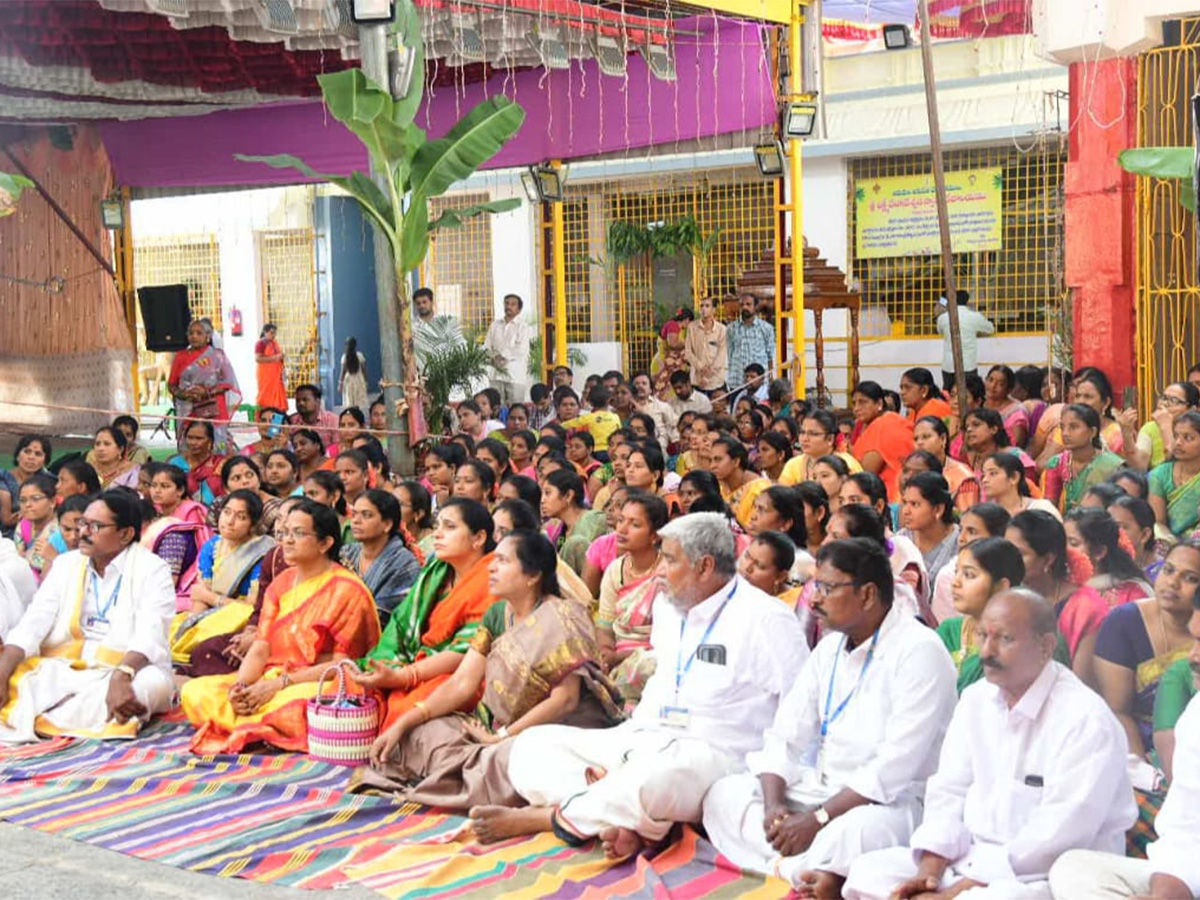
[432,627]
[268,356]
[881,440]
[314,614]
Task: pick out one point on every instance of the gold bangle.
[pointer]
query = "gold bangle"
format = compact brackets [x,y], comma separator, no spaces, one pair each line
[420,704]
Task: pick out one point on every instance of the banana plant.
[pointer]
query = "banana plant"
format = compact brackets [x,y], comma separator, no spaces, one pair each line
[10,190]
[414,167]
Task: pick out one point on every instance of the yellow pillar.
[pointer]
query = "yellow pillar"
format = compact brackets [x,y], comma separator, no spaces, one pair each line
[559,251]
[796,204]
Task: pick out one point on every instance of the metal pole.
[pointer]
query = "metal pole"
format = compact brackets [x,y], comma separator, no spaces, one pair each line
[559,251]
[372,41]
[796,204]
[939,184]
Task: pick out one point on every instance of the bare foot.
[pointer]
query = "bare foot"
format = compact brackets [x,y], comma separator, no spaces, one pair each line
[619,843]
[498,823]
[820,885]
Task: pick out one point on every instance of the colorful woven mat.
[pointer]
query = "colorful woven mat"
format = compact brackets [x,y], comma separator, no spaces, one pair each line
[284,818]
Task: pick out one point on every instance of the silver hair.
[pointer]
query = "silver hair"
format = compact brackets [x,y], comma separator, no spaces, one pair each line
[704,534]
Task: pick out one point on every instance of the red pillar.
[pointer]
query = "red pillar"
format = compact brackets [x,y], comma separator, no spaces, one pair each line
[1101,220]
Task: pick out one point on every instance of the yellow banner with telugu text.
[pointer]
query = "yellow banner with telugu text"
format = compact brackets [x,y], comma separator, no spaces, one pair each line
[898,216]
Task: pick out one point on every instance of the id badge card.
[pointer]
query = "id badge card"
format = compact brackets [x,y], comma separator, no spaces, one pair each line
[96,627]
[674,716]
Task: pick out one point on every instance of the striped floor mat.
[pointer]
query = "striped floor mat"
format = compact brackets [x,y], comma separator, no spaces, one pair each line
[285,819]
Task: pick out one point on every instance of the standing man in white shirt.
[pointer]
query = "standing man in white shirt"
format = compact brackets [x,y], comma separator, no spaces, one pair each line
[508,342]
[89,657]
[971,324]
[1033,765]
[727,653]
[874,700]
[1172,871]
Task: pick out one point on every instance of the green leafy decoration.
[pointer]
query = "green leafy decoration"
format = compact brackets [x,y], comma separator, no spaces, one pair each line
[1167,163]
[454,218]
[10,190]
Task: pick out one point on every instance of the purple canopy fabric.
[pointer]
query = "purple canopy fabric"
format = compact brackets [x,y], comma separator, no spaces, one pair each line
[875,12]
[723,85]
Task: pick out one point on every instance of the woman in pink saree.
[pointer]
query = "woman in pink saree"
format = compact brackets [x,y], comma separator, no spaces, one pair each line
[203,385]
[627,594]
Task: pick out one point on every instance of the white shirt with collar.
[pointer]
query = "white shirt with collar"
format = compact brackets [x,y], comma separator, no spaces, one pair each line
[883,744]
[1016,788]
[730,705]
[510,339]
[1177,850]
[149,588]
[17,585]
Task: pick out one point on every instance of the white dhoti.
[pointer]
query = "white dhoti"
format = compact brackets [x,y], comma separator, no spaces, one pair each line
[1092,875]
[875,875]
[49,696]
[733,818]
[651,779]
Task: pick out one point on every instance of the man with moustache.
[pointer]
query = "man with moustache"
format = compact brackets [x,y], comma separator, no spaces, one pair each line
[1172,871]
[89,657]
[727,653]
[874,700]
[1033,765]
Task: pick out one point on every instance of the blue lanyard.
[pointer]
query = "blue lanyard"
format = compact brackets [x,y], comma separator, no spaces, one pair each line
[681,669]
[102,611]
[828,719]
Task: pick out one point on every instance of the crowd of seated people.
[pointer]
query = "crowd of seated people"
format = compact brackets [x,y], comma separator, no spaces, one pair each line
[888,653]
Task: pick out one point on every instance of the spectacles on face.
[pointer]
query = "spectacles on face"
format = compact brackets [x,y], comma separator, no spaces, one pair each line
[296,534]
[87,525]
[1168,400]
[34,498]
[825,588]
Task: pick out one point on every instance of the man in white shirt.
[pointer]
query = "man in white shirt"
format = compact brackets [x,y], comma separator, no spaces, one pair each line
[874,701]
[726,654]
[685,398]
[508,342]
[644,401]
[1172,871]
[89,657]
[971,324]
[1033,765]
[17,585]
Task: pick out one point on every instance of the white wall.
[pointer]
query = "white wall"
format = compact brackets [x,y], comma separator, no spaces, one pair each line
[1068,31]
[233,218]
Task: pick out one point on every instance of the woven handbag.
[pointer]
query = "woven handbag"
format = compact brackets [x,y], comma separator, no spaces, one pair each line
[341,726]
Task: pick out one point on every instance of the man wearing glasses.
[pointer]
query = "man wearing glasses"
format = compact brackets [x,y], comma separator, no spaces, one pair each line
[873,702]
[89,657]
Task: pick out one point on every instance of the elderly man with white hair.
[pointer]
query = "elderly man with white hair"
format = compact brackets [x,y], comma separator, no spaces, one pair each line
[727,653]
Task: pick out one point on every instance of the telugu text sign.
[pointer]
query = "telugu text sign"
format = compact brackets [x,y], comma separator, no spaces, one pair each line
[898,216]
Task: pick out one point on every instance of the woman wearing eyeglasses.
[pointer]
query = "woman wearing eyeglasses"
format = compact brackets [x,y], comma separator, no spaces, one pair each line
[38,522]
[818,438]
[314,614]
[1156,439]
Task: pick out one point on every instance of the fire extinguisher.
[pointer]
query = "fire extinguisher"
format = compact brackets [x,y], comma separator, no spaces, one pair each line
[235,322]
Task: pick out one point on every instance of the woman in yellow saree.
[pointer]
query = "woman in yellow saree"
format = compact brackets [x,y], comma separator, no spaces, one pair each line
[314,614]
[229,567]
[740,485]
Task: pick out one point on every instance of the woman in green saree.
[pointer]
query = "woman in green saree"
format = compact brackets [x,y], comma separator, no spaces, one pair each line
[433,625]
[1175,485]
[535,658]
[563,499]
[985,568]
[1082,464]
